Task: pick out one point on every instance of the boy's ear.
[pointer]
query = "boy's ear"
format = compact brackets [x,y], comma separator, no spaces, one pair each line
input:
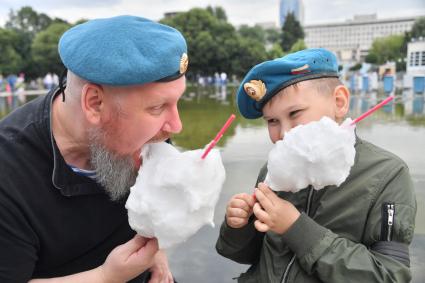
[92,102]
[342,101]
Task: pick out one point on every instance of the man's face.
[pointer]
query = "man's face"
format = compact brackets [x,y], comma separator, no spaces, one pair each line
[298,105]
[132,117]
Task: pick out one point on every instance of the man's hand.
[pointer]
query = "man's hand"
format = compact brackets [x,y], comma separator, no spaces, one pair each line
[127,261]
[239,209]
[160,271]
[272,212]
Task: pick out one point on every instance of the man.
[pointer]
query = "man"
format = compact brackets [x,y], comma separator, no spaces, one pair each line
[67,163]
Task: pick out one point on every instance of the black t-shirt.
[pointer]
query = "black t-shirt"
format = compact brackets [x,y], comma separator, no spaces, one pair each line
[53,222]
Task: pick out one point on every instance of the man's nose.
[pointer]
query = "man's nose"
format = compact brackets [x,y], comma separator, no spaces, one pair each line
[173,123]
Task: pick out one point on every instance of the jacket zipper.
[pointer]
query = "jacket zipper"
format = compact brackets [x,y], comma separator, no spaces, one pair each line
[388,214]
[307,211]
[390,222]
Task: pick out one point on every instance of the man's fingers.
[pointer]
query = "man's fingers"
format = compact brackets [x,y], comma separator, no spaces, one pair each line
[260,226]
[133,245]
[149,249]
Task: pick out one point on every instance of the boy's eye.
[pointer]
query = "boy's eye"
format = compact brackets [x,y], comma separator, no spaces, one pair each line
[271,121]
[294,113]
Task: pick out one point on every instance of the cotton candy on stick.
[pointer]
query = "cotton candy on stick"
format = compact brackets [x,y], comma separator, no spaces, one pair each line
[319,153]
[175,193]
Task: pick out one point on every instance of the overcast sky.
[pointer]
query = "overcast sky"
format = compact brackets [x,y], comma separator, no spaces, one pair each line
[238,11]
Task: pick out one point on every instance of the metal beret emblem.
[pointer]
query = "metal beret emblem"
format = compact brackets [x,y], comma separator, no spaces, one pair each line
[256,89]
[184,62]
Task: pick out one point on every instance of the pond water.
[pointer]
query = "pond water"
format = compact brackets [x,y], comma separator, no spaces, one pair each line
[398,127]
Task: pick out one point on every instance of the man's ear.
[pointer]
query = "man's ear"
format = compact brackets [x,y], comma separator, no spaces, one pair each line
[342,101]
[92,102]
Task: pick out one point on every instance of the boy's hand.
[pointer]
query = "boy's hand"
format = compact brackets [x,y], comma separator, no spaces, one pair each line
[273,213]
[239,210]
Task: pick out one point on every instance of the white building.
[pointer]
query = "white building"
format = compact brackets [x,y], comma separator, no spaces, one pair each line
[415,64]
[351,40]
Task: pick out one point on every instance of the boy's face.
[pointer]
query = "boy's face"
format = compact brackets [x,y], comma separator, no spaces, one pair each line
[301,104]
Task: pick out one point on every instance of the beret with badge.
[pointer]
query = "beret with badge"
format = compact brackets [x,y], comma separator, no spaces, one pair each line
[265,80]
[124,50]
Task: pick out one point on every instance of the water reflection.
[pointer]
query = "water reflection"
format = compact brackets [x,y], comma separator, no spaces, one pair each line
[398,127]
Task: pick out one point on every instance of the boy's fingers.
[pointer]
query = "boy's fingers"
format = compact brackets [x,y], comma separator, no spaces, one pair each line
[237,212]
[246,198]
[260,226]
[265,202]
[261,214]
[240,204]
[268,192]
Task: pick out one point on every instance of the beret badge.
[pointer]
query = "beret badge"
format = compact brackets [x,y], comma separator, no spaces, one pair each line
[184,62]
[256,89]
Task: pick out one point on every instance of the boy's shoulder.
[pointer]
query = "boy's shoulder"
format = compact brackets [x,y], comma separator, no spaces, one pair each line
[370,155]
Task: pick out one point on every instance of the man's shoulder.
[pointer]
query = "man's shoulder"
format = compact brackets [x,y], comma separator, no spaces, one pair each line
[17,123]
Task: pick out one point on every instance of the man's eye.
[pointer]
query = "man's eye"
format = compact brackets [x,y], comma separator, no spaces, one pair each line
[156,109]
[271,121]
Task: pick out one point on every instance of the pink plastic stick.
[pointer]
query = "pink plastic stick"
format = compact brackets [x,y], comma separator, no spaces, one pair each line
[218,136]
[373,109]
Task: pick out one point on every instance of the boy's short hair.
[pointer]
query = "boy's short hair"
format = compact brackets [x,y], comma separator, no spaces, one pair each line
[324,86]
[267,79]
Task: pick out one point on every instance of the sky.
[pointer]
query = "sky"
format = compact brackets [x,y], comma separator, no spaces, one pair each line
[238,11]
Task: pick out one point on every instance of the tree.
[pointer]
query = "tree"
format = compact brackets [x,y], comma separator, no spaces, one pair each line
[388,48]
[217,12]
[298,46]
[275,52]
[28,21]
[291,32]
[256,33]
[10,60]
[45,48]
[418,28]
[214,45]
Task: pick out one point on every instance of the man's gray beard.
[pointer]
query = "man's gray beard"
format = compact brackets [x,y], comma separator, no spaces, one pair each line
[115,173]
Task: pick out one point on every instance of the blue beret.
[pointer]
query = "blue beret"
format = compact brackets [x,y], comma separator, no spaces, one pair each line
[124,50]
[265,80]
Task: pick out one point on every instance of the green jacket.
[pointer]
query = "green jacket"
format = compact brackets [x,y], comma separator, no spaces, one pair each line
[357,232]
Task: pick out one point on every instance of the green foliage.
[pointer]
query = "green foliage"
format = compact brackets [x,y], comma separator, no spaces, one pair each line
[45,48]
[298,46]
[356,67]
[214,45]
[388,48]
[418,29]
[292,31]
[256,33]
[28,21]
[275,52]
[371,58]
[10,60]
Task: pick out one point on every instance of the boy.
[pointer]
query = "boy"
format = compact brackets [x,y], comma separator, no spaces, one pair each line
[358,232]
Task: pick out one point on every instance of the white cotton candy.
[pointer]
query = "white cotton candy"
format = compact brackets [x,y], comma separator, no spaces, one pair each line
[175,193]
[319,154]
